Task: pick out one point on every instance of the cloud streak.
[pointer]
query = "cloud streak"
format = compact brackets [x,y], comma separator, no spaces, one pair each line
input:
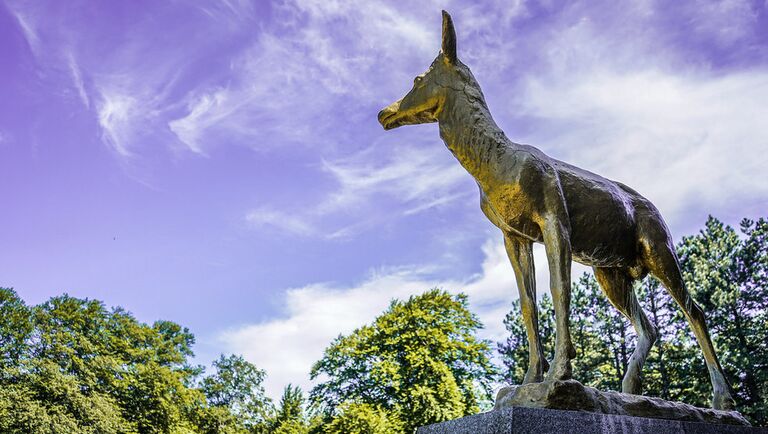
[290,81]
[406,180]
[267,218]
[77,79]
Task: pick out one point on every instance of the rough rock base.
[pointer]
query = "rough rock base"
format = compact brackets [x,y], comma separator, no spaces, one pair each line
[543,420]
[572,395]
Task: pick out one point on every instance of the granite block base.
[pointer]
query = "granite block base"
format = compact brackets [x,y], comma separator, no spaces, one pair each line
[544,420]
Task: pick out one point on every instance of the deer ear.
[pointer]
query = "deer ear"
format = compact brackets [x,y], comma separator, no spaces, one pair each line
[449,39]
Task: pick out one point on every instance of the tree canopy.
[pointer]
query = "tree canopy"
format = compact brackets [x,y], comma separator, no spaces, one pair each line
[71,365]
[419,362]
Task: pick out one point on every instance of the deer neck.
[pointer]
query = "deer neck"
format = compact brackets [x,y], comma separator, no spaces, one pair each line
[471,134]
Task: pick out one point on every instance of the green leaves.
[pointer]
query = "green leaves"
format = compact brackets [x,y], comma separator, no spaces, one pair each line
[71,365]
[363,418]
[15,327]
[728,276]
[419,362]
[237,385]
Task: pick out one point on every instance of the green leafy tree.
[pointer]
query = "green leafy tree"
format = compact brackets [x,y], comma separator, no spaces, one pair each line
[420,359]
[362,418]
[53,383]
[214,419]
[15,327]
[71,365]
[142,367]
[237,386]
[42,399]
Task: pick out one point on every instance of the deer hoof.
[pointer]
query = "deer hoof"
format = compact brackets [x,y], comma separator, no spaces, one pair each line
[560,371]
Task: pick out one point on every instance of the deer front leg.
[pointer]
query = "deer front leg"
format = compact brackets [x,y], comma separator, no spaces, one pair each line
[520,254]
[558,248]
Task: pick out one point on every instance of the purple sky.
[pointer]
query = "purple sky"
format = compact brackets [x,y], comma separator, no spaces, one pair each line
[219,163]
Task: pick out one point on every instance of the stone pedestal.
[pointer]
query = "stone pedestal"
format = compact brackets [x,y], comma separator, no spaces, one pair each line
[544,420]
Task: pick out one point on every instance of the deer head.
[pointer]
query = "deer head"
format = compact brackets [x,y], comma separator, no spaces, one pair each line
[427,98]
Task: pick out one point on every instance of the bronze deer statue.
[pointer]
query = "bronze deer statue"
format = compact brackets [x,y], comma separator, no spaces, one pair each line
[578,215]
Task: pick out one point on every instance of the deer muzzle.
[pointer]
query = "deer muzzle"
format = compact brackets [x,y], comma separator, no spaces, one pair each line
[388,115]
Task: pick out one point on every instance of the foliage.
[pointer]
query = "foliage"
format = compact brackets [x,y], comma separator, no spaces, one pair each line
[237,386]
[420,360]
[45,400]
[726,273]
[362,418]
[514,350]
[71,365]
[290,412]
[728,276]
[15,327]
[599,333]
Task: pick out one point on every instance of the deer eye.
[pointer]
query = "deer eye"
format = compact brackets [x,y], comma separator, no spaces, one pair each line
[417,80]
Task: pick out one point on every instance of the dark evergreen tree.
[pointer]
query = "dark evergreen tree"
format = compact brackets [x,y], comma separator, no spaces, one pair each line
[727,276]
[726,272]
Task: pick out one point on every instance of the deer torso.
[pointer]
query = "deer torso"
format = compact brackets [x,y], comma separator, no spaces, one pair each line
[518,182]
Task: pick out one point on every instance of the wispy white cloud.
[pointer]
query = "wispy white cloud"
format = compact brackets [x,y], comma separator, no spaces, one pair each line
[435,202]
[77,79]
[285,222]
[189,128]
[413,175]
[297,78]
[726,21]
[410,179]
[269,94]
[117,112]
[27,26]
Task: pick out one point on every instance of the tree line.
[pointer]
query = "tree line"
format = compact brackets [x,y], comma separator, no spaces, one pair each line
[72,365]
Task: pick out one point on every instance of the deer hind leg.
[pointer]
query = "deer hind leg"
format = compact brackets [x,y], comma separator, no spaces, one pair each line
[520,254]
[616,283]
[662,262]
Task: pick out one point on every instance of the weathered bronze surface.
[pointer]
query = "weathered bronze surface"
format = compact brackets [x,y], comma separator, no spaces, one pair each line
[576,214]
